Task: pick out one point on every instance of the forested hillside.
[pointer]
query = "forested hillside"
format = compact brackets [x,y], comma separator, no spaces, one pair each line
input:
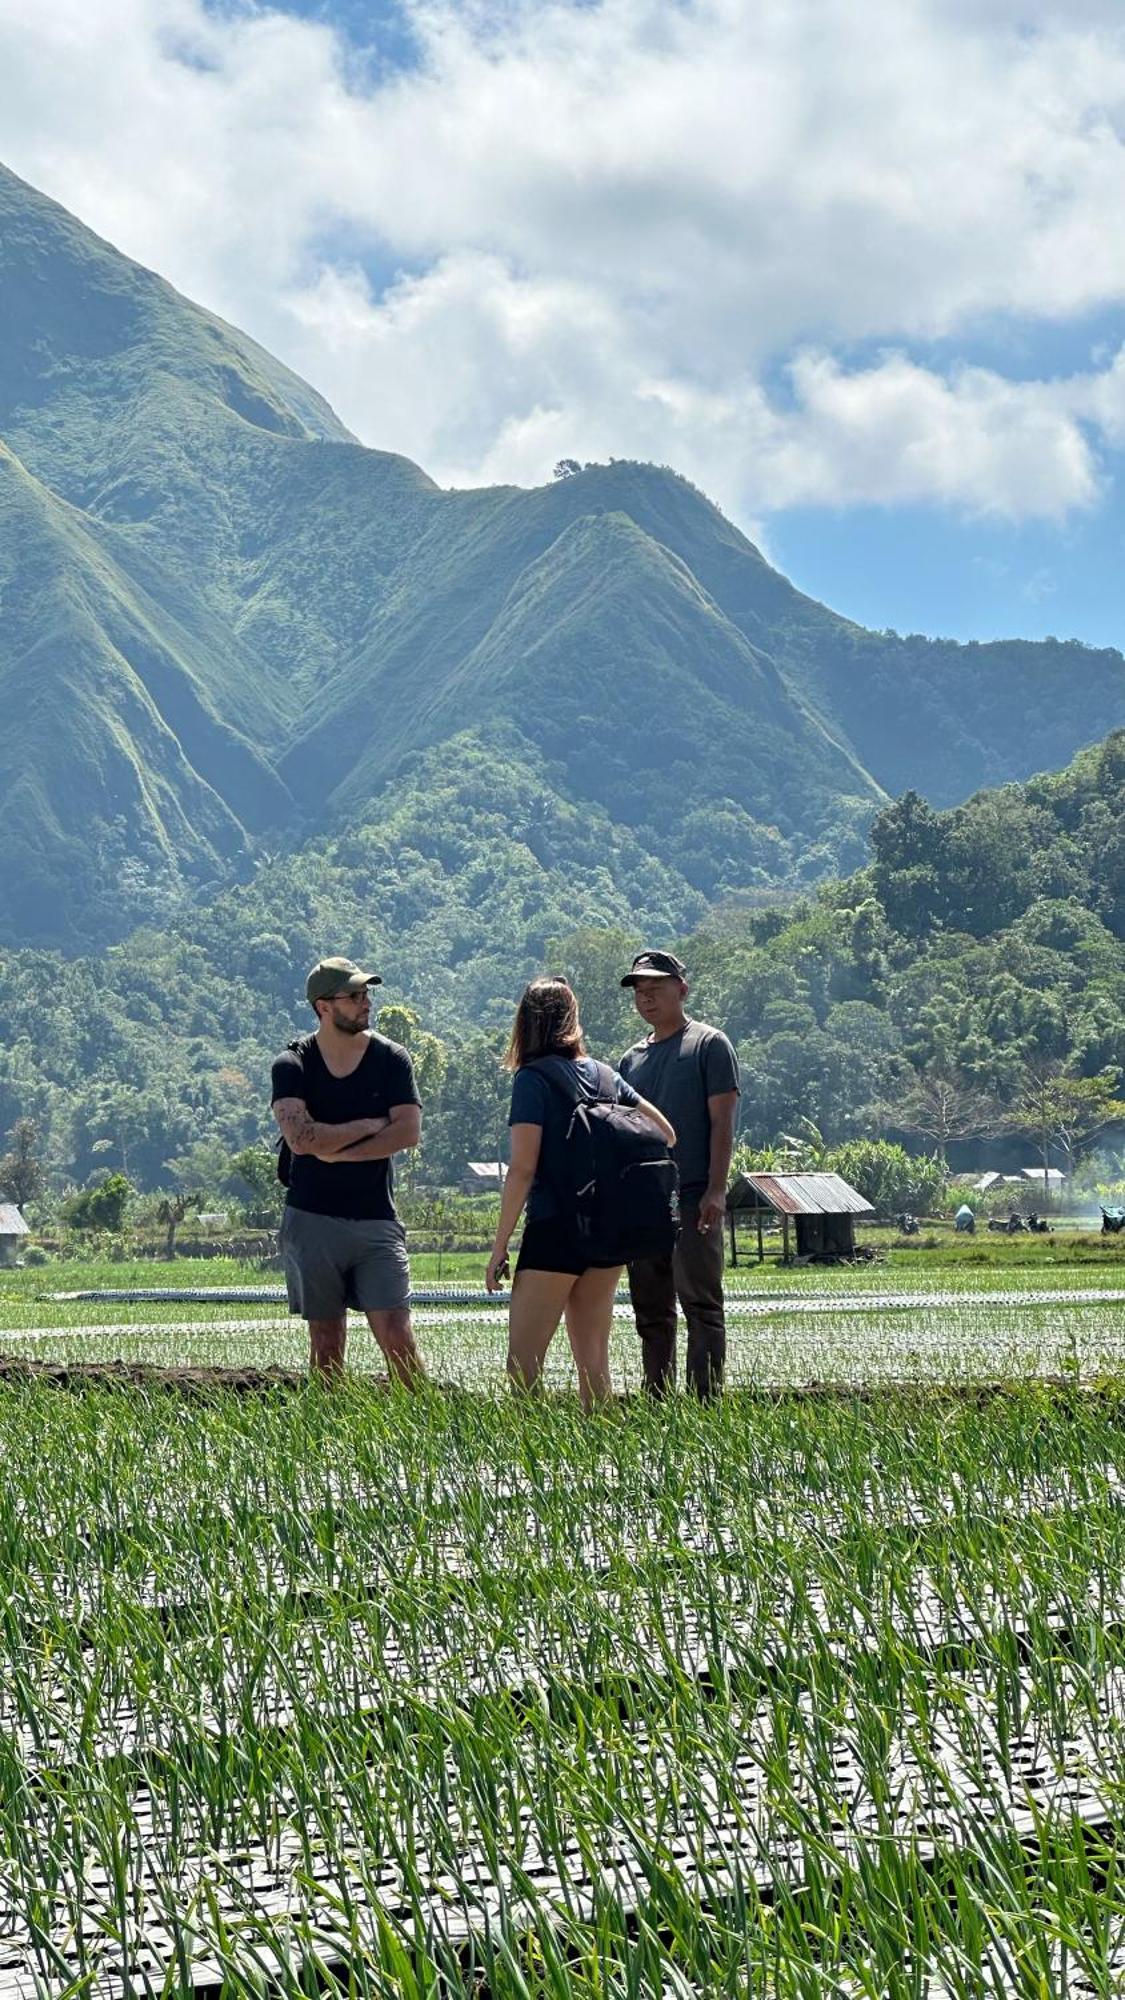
[230,633]
[980,940]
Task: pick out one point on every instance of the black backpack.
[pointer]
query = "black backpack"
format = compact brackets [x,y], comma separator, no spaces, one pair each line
[284,1153]
[615,1176]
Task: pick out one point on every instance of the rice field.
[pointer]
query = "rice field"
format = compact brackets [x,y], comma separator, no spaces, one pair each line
[448,1695]
[864,1334]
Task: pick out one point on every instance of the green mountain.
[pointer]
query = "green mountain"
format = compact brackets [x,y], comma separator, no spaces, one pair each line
[979,940]
[227,627]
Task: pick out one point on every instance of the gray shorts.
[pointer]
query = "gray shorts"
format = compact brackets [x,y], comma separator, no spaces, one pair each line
[332,1262]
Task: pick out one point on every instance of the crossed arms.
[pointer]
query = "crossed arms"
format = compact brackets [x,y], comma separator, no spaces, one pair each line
[359,1139]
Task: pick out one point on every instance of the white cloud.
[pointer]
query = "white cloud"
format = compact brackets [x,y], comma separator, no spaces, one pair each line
[897,432]
[608,229]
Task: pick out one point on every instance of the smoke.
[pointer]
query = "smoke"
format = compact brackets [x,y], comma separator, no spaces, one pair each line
[1099,1183]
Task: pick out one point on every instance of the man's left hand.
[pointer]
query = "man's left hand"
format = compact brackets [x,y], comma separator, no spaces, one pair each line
[712,1209]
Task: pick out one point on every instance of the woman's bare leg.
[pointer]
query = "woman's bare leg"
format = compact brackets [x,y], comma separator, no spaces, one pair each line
[538,1298]
[589,1316]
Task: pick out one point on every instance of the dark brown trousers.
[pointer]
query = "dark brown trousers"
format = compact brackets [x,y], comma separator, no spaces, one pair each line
[693,1274]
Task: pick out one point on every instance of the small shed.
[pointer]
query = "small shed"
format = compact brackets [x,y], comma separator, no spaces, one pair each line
[483,1176]
[12,1228]
[822,1207]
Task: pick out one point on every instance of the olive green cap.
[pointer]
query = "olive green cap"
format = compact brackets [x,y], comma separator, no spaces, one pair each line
[337,975]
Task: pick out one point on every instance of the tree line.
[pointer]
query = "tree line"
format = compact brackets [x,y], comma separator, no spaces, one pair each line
[967,985]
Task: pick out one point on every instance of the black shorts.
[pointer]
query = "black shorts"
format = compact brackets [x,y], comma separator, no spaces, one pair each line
[554,1245]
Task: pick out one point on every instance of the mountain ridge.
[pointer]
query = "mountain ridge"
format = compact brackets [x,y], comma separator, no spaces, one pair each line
[255,619]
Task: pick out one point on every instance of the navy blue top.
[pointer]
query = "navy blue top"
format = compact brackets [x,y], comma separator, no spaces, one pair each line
[537,1102]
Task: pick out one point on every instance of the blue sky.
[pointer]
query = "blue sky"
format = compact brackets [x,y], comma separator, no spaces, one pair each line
[377,33]
[858,272]
[923,569]
[944,571]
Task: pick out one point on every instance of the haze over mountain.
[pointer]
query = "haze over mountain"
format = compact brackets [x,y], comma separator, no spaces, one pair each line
[225,626]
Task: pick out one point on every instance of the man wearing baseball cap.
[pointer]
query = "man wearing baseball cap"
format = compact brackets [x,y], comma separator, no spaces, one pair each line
[346,1101]
[690,1072]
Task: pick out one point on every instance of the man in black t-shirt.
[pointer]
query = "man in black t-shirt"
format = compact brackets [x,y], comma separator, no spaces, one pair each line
[346,1101]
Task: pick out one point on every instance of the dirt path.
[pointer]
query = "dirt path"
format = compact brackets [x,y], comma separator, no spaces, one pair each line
[18,1371]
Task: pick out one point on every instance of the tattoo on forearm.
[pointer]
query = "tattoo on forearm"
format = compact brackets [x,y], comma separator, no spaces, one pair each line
[298,1127]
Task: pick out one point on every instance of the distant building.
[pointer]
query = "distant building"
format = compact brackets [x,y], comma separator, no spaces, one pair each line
[12,1228]
[1055,1180]
[483,1177]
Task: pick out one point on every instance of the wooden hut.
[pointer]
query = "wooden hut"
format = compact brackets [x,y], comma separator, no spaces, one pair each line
[822,1209]
[12,1229]
[483,1176]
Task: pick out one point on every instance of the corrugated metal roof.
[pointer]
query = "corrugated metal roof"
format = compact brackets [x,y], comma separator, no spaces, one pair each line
[800,1194]
[11,1221]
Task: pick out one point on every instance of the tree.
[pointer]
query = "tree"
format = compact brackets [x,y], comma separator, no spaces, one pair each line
[594,961]
[427,1053]
[945,1106]
[201,1170]
[124,1117]
[21,1171]
[101,1206]
[429,1057]
[171,1210]
[911,845]
[805,1149]
[1067,1112]
[254,1170]
[471,1118]
[566,468]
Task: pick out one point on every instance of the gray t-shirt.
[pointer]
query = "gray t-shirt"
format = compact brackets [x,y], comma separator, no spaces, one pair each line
[678,1075]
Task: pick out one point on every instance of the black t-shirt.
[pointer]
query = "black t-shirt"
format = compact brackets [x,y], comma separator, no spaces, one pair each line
[363,1191]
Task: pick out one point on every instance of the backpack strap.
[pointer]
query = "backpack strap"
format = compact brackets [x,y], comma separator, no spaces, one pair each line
[557,1070]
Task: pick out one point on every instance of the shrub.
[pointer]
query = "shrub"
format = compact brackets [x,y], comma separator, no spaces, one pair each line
[889,1176]
[101,1206]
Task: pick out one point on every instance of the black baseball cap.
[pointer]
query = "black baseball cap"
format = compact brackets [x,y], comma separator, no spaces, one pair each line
[337,975]
[655,965]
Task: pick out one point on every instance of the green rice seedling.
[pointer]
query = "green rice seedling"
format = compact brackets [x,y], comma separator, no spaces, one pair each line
[400,1685]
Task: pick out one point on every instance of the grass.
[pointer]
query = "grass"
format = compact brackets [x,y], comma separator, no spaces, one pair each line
[939,1323]
[450,1697]
[978,1339]
[390,1696]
